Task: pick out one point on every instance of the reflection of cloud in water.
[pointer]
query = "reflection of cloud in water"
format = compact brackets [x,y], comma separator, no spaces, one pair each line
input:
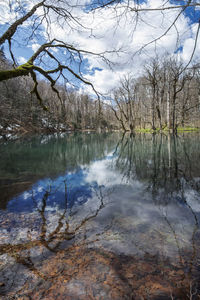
[71,186]
[79,185]
[131,222]
[103,173]
[26,195]
[192,198]
[138,226]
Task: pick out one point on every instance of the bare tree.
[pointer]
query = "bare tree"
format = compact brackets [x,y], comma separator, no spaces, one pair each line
[165,97]
[125,99]
[44,62]
[56,59]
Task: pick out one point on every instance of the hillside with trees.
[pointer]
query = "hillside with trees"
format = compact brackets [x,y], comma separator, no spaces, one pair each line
[166,96]
[22,113]
[69,57]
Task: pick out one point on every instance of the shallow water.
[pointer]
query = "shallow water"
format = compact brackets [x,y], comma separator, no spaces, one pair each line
[87,216]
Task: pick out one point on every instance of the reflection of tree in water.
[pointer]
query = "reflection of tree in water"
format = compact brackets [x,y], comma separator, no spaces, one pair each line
[64,267]
[163,162]
[26,161]
[71,268]
[168,167]
[66,263]
[52,241]
[167,164]
[52,155]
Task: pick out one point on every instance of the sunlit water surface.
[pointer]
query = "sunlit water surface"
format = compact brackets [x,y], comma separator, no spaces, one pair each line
[87,216]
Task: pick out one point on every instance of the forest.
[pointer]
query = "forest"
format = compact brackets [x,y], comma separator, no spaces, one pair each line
[165,97]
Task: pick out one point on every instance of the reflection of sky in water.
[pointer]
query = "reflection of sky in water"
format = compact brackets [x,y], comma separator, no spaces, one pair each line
[134,219]
[78,191]
[73,188]
[134,214]
[77,188]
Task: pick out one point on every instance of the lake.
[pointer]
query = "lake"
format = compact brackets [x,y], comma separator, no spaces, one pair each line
[100,216]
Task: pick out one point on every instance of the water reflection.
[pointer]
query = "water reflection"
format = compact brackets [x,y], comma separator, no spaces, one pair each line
[118,222]
[26,161]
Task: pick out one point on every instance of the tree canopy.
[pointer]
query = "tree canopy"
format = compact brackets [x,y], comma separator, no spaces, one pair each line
[36,26]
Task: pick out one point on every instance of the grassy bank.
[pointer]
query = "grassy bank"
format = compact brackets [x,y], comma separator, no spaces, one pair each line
[157,130]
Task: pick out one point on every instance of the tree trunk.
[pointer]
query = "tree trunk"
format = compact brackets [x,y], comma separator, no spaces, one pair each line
[168,111]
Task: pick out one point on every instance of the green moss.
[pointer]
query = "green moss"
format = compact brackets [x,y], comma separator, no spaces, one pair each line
[187,128]
[22,70]
[25,66]
[149,130]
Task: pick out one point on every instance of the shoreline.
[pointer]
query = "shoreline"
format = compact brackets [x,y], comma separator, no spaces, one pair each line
[11,133]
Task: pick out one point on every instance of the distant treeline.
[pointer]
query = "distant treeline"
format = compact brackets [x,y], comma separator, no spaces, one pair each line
[20,110]
[166,96]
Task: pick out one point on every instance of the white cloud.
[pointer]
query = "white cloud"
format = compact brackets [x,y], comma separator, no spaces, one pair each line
[108,35]
[35,47]
[22,60]
[188,45]
[7,15]
[113,30]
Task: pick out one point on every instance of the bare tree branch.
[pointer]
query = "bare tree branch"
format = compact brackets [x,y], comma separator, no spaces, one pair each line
[12,29]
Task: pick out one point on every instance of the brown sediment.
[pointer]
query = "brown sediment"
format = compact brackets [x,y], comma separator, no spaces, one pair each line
[67,263]
[80,272]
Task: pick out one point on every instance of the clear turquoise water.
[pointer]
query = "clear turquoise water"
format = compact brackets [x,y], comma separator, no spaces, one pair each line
[102,199]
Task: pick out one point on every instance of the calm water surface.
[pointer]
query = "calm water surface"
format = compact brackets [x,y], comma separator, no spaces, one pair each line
[87,216]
